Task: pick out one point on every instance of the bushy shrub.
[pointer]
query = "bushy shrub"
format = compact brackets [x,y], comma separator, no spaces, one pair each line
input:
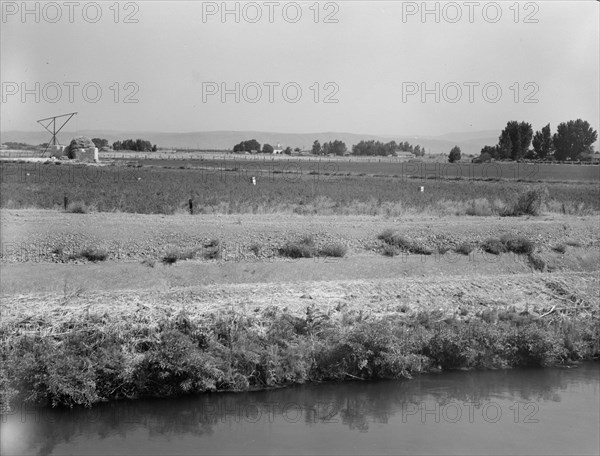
[93,254]
[171,257]
[78,207]
[303,248]
[528,202]
[515,244]
[494,246]
[464,249]
[533,345]
[336,250]
[399,242]
[536,262]
[90,358]
[518,244]
[390,250]
[255,248]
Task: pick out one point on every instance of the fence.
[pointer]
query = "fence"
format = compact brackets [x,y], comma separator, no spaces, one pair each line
[217,155]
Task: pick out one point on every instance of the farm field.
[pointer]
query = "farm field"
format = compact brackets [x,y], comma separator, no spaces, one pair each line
[297,278]
[160,187]
[427,169]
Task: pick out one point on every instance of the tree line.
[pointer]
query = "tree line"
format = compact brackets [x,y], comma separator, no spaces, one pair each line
[337,147]
[572,141]
[138,145]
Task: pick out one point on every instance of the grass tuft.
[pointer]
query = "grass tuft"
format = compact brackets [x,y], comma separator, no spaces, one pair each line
[78,207]
[336,250]
[91,254]
[464,249]
[528,202]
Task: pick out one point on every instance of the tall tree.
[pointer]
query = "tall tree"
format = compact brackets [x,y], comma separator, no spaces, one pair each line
[267,149]
[520,134]
[505,146]
[542,142]
[573,138]
[454,154]
[316,148]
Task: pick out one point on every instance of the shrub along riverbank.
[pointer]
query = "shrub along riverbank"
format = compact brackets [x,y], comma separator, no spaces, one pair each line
[86,358]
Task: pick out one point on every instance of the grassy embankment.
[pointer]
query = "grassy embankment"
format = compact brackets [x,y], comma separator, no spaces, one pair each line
[89,355]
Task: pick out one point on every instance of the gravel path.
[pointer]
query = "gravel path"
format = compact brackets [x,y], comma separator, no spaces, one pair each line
[37,235]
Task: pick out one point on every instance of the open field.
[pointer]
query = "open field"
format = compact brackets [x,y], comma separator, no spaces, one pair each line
[313,274]
[427,168]
[386,166]
[154,188]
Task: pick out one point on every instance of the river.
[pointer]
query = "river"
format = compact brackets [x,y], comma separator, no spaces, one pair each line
[525,411]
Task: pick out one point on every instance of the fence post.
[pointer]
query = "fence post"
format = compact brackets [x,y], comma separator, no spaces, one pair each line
[66,201]
[191,203]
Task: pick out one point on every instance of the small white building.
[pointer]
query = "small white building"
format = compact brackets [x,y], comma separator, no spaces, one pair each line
[278,149]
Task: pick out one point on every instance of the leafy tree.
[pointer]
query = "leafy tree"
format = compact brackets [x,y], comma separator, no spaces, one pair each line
[531,155]
[378,148]
[325,148]
[287,150]
[454,154]
[154,148]
[573,138]
[542,143]
[316,148]
[520,135]
[485,157]
[505,146]
[247,146]
[139,145]
[100,143]
[267,149]
[336,147]
[297,150]
[489,151]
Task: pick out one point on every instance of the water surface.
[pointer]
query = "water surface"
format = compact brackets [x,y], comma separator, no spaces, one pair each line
[528,411]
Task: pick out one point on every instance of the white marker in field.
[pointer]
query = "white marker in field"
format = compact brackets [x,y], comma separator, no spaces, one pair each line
[421,189]
[253,180]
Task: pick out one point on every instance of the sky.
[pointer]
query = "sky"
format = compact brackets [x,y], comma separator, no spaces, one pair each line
[298,67]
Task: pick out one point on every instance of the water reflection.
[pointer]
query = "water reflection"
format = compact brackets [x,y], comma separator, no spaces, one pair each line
[455,398]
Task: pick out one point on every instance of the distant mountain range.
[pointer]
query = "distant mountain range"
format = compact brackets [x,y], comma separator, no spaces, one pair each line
[469,142]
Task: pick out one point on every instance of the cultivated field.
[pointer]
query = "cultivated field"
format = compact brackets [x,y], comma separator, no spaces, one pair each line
[303,188]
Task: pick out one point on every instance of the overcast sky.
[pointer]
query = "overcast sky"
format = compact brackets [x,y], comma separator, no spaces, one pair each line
[376,56]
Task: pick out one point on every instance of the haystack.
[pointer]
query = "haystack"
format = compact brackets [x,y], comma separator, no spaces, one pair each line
[80,142]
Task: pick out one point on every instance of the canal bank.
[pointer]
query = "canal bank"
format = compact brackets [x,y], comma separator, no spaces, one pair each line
[86,348]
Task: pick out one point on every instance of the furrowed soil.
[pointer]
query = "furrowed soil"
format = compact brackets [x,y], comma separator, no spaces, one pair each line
[36,245]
